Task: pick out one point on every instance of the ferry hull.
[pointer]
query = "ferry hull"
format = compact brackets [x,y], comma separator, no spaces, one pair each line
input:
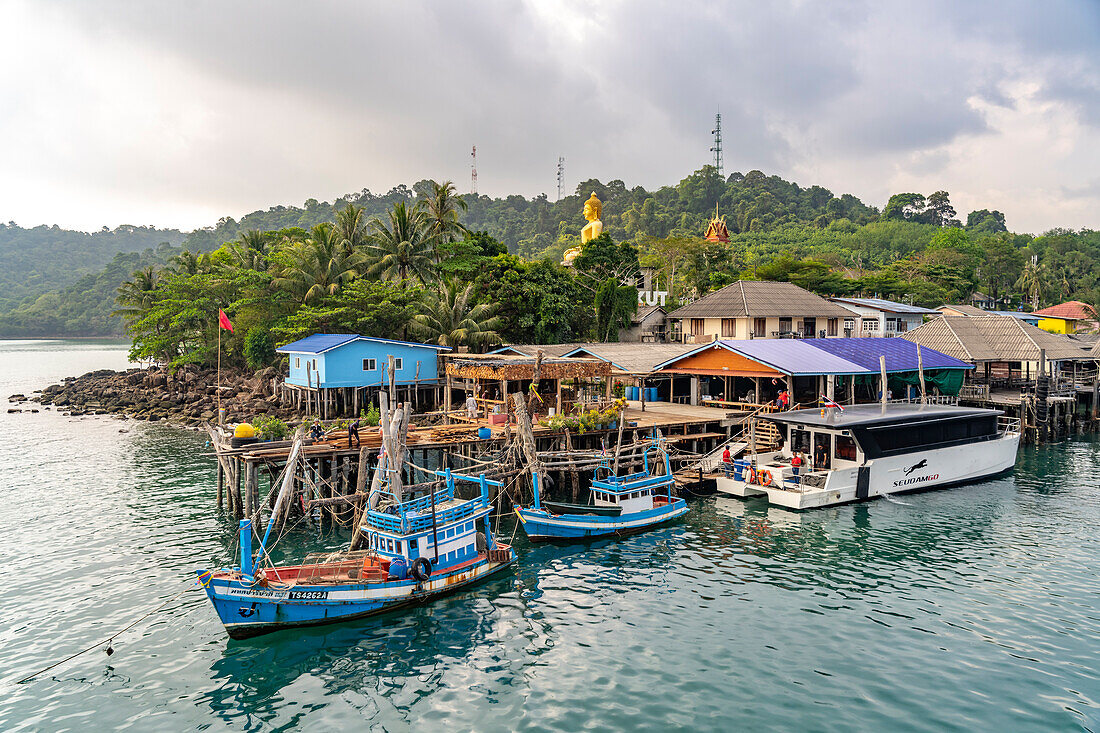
[540,525]
[941,468]
[247,611]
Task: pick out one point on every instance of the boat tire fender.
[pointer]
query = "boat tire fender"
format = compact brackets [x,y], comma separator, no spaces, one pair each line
[422,569]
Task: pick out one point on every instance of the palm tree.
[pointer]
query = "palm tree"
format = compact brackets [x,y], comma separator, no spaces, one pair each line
[405,248]
[449,320]
[1031,283]
[250,250]
[320,265]
[441,210]
[350,228]
[136,295]
[187,263]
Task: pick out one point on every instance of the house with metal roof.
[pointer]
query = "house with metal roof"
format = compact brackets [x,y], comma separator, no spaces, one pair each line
[878,317]
[754,371]
[757,309]
[969,310]
[1006,349]
[647,325]
[1069,317]
[341,372]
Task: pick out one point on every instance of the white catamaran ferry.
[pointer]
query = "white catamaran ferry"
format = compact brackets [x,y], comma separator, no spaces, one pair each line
[871,450]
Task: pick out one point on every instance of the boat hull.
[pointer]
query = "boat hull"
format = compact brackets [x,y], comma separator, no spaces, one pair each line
[540,525]
[250,610]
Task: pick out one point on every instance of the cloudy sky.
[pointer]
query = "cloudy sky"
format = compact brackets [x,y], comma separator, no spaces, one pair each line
[178,113]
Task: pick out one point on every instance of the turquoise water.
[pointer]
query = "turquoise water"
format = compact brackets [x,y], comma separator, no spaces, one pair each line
[972,608]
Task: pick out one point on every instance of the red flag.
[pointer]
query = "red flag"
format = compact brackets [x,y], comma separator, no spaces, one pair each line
[224,322]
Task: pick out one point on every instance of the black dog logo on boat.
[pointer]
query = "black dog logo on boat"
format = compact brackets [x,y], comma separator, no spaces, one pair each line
[912,468]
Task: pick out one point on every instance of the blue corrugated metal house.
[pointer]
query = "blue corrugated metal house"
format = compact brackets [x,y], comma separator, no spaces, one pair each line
[346,368]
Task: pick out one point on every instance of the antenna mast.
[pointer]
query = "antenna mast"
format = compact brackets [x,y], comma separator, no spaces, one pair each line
[717,149]
[473,170]
[561,176]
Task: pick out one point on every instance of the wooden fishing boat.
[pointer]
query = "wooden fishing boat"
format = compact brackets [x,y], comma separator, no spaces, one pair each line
[620,504]
[416,550]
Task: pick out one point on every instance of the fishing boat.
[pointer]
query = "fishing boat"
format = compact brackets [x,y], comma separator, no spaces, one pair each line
[863,451]
[416,550]
[620,504]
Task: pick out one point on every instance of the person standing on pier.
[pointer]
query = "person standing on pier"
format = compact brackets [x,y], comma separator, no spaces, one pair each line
[353,432]
[471,407]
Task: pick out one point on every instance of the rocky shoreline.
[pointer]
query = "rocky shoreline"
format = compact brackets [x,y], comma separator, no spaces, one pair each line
[187,396]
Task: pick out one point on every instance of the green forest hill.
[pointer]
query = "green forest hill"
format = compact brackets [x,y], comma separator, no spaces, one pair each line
[502,253]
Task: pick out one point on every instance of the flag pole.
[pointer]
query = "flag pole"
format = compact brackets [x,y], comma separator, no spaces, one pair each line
[221,415]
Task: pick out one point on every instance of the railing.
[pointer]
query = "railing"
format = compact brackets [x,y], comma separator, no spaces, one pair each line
[932,399]
[1008,425]
[712,460]
[974,392]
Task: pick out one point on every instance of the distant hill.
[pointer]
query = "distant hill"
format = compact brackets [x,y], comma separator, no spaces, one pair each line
[35,261]
[59,282]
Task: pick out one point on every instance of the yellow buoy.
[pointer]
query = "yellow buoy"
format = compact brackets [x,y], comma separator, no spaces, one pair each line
[244,430]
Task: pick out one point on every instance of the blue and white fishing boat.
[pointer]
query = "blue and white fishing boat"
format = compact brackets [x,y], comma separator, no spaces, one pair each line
[417,550]
[620,505]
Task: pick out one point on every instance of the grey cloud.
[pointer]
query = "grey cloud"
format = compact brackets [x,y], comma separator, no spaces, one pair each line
[371,94]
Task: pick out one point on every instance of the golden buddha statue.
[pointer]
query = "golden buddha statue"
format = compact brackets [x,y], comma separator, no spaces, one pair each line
[592,211]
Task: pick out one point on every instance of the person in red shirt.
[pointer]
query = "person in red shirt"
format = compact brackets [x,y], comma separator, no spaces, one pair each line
[796,463]
[727,461]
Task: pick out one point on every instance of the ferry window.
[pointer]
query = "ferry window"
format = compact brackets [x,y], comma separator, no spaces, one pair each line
[955,430]
[800,440]
[397,546]
[369,365]
[845,448]
[397,363]
[983,426]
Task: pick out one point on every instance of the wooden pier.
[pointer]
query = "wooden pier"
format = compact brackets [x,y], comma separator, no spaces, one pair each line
[329,480]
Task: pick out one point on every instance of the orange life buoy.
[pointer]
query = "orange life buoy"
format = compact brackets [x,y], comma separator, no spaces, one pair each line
[765,478]
[752,475]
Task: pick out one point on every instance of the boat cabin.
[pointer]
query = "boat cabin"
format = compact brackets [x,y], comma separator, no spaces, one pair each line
[437,526]
[862,432]
[633,492]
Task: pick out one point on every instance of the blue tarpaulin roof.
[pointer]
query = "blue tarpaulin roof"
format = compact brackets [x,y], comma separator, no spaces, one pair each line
[837,356]
[901,355]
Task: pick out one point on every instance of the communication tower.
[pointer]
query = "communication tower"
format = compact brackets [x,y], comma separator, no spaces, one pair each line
[561,176]
[473,170]
[717,149]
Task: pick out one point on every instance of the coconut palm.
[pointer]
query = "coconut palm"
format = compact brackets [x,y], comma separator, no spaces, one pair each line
[405,248]
[187,263]
[441,211]
[1031,283]
[448,319]
[137,295]
[351,228]
[250,250]
[319,265]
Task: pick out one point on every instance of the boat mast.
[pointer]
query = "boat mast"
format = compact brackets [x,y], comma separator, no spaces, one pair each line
[288,482]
